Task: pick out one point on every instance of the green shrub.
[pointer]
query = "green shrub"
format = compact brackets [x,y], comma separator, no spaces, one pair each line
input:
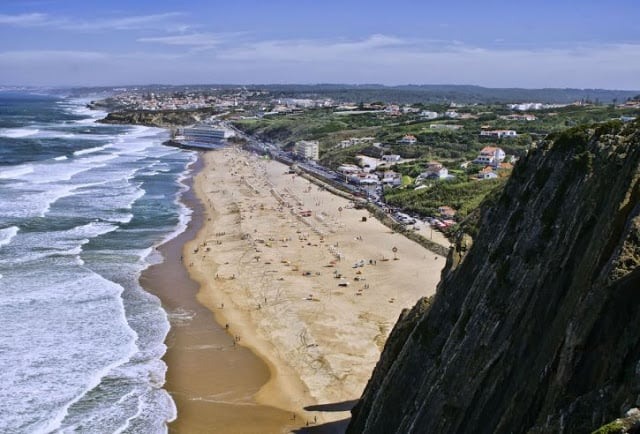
[575,139]
[615,427]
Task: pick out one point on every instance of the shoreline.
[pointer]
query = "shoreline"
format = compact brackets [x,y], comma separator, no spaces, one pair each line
[200,354]
[264,337]
[268,273]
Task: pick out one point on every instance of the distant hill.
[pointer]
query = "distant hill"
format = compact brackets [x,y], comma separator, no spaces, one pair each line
[406,94]
[410,94]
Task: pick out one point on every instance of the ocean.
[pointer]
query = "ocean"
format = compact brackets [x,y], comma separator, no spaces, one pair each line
[82,208]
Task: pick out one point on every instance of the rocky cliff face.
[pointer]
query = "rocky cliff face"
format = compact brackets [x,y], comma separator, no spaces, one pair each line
[537,327]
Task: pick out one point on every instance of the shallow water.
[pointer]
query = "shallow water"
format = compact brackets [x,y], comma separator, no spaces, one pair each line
[82,206]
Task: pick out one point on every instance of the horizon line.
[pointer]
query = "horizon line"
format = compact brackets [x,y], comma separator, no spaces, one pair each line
[336,84]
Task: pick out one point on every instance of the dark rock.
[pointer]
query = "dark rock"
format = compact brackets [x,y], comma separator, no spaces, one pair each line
[535,328]
[158,118]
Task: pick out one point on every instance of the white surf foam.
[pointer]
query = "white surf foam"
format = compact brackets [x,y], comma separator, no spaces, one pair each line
[89,121]
[184,216]
[81,109]
[55,170]
[77,333]
[18,133]
[7,234]
[83,349]
[90,150]
[14,172]
[36,200]
[181,316]
[52,134]
[35,246]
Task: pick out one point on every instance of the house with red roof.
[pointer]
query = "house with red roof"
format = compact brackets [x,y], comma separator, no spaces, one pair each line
[490,156]
[408,140]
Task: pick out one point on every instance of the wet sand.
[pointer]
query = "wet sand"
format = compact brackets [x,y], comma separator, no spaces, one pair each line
[212,381]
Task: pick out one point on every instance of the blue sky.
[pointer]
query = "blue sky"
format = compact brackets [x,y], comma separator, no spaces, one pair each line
[541,43]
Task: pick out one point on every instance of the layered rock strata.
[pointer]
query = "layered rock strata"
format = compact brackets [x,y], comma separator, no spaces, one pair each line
[536,328]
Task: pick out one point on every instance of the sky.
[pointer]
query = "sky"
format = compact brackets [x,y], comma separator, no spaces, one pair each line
[534,44]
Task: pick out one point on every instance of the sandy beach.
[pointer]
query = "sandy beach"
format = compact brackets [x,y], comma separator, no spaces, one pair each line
[298,276]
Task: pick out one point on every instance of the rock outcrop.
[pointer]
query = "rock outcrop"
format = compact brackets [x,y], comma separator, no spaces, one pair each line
[158,118]
[537,327]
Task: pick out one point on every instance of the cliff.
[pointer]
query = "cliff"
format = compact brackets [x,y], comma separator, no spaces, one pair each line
[158,118]
[536,328]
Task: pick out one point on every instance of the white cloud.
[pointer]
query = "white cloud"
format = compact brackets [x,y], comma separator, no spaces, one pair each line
[25,20]
[388,59]
[45,56]
[375,59]
[311,50]
[198,40]
[165,21]
[135,22]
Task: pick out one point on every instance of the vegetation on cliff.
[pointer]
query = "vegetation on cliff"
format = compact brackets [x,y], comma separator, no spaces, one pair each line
[158,118]
[462,195]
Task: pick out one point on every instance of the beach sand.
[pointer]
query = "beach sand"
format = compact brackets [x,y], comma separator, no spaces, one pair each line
[304,303]
[212,381]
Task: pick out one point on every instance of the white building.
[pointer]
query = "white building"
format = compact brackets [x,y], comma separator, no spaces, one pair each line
[392,109]
[487,175]
[308,149]
[363,178]
[490,156]
[298,102]
[368,164]
[348,169]
[408,140]
[425,114]
[390,158]
[526,106]
[203,136]
[409,109]
[533,106]
[434,170]
[352,141]
[445,126]
[345,144]
[498,133]
[391,178]
[518,117]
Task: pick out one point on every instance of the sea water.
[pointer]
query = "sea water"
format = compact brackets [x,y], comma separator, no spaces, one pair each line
[82,207]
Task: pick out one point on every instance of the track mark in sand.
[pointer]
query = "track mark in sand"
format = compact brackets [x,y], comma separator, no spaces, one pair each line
[381,337]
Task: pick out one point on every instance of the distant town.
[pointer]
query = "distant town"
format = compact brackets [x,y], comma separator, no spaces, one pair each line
[432,162]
